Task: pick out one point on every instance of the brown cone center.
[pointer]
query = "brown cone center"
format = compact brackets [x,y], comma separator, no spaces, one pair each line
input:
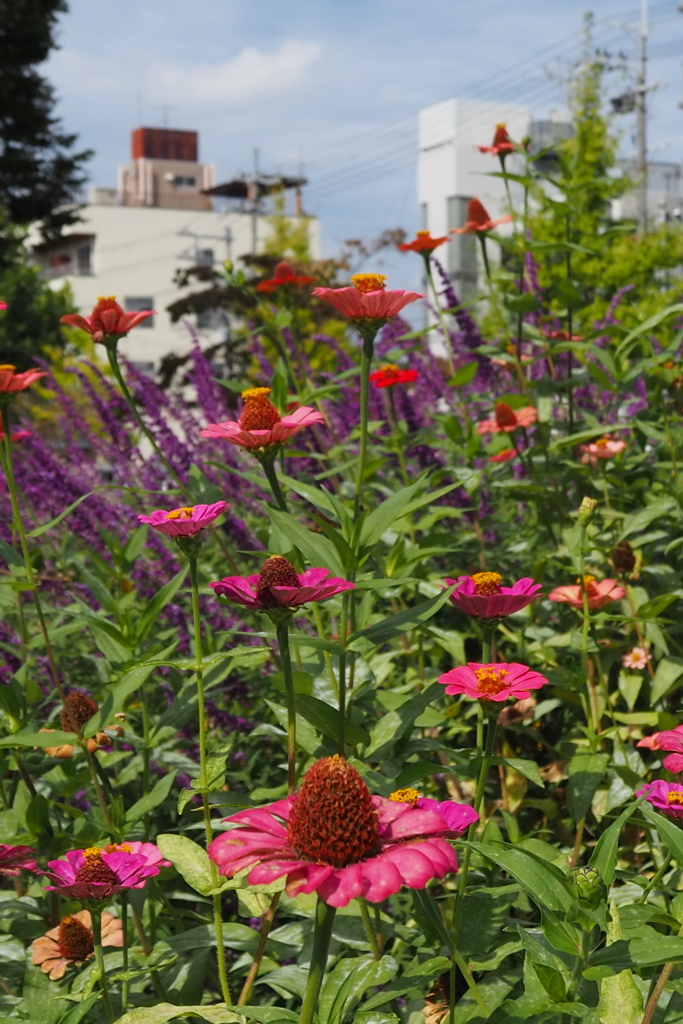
[79,708]
[276,572]
[259,413]
[94,869]
[332,820]
[505,416]
[74,940]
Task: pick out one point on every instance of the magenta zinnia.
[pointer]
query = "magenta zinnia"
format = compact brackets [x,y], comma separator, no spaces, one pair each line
[492,682]
[184,522]
[95,875]
[278,585]
[260,425]
[666,797]
[672,741]
[15,859]
[333,838]
[483,596]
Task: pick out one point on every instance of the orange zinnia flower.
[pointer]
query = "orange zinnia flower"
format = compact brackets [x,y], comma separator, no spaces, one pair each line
[478,220]
[284,276]
[71,942]
[502,143]
[506,419]
[423,242]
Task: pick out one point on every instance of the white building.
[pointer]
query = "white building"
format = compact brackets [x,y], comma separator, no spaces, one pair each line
[131,241]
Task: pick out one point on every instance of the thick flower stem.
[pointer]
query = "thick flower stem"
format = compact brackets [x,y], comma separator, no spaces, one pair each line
[203,777]
[266,925]
[96,918]
[271,476]
[6,463]
[123,900]
[366,362]
[286,659]
[343,624]
[324,921]
[367,924]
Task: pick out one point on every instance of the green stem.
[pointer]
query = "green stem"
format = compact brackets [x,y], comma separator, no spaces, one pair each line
[96,918]
[123,899]
[203,777]
[592,695]
[286,659]
[366,361]
[258,955]
[656,878]
[367,924]
[342,673]
[324,921]
[439,310]
[269,469]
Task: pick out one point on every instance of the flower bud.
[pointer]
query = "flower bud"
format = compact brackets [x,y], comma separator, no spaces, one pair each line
[589,885]
[587,511]
[190,546]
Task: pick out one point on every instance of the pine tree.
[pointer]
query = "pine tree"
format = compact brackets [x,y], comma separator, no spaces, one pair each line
[40,173]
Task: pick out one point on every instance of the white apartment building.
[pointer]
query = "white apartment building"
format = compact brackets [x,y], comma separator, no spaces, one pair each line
[131,241]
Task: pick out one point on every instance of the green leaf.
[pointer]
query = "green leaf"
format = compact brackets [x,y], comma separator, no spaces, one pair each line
[116,698]
[189,859]
[74,1015]
[393,726]
[163,1012]
[604,857]
[638,952]
[396,625]
[347,982]
[28,738]
[326,720]
[150,800]
[586,772]
[40,530]
[529,769]
[668,831]
[318,550]
[383,516]
[542,881]
[667,672]
[647,325]
[464,375]
[157,604]
[637,522]
[14,561]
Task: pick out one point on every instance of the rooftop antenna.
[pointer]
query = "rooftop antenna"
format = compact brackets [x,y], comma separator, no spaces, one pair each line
[165,109]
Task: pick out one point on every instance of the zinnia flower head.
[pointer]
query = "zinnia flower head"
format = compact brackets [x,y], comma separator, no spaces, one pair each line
[478,221]
[623,557]
[15,859]
[278,588]
[260,425]
[507,419]
[505,456]
[502,143]
[333,838]
[666,797]
[483,596]
[603,448]
[283,277]
[16,435]
[108,322]
[598,592]
[78,709]
[671,739]
[457,816]
[95,875]
[637,657]
[423,243]
[11,382]
[492,682]
[184,522]
[71,942]
[368,300]
[390,374]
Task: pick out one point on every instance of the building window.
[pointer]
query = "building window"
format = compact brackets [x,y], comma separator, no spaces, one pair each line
[83,260]
[135,303]
[184,181]
[204,257]
[462,251]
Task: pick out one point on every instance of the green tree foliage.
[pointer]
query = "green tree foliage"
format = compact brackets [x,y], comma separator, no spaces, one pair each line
[40,173]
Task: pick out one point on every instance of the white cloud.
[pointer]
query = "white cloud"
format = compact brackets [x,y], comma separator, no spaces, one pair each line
[250,75]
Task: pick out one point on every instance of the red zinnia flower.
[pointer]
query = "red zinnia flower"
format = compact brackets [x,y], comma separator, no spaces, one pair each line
[284,276]
[108,321]
[598,592]
[501,144]
[492,682]
[11,381]
[504,456]
[15,859]
[478,220]
[390,374]
[507,419]
[260,425]
[423,242]
[17,435]
[332,837]
[367,300]
[71,942]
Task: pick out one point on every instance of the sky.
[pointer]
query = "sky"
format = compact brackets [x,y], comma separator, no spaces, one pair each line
[333,87]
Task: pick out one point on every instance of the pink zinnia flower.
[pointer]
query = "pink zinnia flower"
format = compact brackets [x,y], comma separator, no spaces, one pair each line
[71,942]
[482,595]
[184,522]
[279,586]
[492,682]
[650,742]
[96,875]
[17,435]
[502,143]
[108,321]
[11,381]
[507,419]
[283,277]
[260,425]
[390,374]
[598,592]
[333,838]
[672,739]
[457,816]
[478,220]
[15,859]
[367,299]
[638,657]
[504,456]
[3,306]
[664,796]
[604,448]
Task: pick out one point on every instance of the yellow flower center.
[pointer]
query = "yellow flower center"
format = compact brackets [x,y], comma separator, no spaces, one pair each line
[674,797]
[8,366]
[254,393]
[586,580]
[490,680]
[502,124]
[389,368]
[118,848]
[180,513]
[487,583]
[93,853]
[422,234]
[106,298]
[365,283]
[405,796]
[602,442]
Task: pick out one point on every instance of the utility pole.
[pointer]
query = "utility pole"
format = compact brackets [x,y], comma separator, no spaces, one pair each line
[641,119]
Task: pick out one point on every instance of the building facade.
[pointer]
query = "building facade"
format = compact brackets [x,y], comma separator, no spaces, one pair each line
[131,241]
